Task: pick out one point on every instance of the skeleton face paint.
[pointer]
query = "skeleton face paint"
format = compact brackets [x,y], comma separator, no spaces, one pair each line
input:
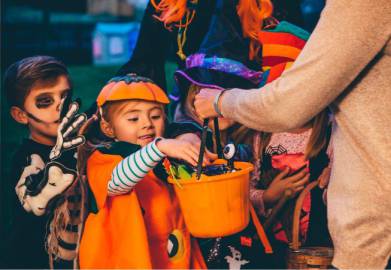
[42,106]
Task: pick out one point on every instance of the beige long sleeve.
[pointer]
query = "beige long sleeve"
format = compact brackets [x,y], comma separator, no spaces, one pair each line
[346,64]
[349,35]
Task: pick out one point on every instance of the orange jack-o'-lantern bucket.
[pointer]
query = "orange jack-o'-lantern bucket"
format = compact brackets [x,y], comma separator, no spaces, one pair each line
[218,205]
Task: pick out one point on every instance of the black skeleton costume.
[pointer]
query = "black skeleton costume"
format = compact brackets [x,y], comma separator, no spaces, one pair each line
[41,174]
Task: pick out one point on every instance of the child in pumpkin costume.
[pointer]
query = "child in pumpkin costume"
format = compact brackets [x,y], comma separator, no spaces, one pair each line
[138,223]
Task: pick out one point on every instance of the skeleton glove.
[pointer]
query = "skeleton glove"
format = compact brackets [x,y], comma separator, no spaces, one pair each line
[40,184]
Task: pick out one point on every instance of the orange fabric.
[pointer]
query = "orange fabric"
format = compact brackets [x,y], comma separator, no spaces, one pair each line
[280,50]
[112,238]
[260,231]
[197,260]
[132,230]
[136,90]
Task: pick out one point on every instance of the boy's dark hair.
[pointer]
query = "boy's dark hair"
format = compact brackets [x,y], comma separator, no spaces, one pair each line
[29,72]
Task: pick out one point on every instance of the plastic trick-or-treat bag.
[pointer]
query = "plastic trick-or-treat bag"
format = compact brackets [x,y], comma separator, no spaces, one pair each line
[214,199]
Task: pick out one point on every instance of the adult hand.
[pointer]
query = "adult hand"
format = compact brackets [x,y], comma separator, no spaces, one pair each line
[203,103]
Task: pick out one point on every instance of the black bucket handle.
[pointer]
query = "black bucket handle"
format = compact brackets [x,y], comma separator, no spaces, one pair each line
[203,143]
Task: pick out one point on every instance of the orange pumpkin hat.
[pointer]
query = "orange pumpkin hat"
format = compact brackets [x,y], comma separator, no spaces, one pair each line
[131,86]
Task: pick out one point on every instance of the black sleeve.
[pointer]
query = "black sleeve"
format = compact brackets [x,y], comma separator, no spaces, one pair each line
[175,129]
[120,148]
[19,161]
[288,10]
[24,242]
[160,171]
[152,46]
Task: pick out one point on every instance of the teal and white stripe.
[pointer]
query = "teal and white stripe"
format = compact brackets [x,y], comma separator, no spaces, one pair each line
[133,168]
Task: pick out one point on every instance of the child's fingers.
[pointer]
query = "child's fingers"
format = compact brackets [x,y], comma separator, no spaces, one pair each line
[298,189]
[194,152]
[190,156]
[301,182]
[192,160]
[188,159]
[282,174]
[205,160]
[298,175]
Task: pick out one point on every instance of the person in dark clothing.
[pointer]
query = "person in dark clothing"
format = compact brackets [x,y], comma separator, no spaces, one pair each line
[155,42]
[37,89]
[159,37]
[25,242]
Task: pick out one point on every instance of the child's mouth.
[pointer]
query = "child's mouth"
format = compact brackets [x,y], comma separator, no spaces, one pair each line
[148,137]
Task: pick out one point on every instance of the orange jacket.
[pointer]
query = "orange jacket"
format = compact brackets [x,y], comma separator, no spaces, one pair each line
[141,229]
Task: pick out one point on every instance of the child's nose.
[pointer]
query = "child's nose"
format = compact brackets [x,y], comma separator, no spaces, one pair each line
[58,107]
[59,102]
[147,123]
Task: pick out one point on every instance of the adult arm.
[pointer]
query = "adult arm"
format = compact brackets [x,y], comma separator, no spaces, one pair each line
[348,36]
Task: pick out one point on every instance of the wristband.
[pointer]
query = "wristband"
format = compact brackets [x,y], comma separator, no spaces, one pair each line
[216,103]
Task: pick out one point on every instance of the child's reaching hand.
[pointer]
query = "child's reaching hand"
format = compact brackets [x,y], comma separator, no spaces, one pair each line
[183,149]
[283,182]
[195,140]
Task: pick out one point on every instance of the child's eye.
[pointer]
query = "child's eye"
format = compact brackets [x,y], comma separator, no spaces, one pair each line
[44,102]
[155,117]
[135,119]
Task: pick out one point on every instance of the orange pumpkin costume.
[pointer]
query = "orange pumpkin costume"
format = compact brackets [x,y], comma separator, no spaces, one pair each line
[141,229]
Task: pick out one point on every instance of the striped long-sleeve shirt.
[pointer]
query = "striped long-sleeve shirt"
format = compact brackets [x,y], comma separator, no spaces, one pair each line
[133,168]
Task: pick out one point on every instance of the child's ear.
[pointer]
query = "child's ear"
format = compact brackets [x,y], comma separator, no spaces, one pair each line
[107,129]
[19,115]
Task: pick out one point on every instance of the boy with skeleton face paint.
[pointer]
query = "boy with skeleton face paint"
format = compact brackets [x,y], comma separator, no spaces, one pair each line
[37,89]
